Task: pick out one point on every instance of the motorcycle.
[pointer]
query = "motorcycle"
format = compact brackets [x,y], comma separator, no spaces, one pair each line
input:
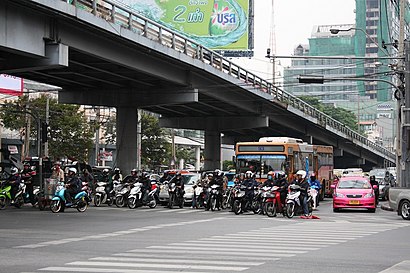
[227,199]
[121,196]
[272,203]
[175,195]
[5,195]
[293,202]
[199,199]
[88,197]
[257,202]
[59,203]
[241,202]
[101,196]
[213,197]
[135,195]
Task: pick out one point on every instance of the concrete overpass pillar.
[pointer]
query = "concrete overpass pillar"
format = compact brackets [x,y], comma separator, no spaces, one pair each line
[212,151]
[126,139]
[197,158]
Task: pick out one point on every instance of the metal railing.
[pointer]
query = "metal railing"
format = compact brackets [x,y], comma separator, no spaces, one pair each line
[126,17]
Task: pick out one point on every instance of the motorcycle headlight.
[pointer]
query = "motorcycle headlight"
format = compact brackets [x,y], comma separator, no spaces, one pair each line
[340,195]
[369,195]
[189,190]
[124,191]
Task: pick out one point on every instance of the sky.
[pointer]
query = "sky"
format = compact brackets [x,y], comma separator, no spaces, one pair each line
[293,24]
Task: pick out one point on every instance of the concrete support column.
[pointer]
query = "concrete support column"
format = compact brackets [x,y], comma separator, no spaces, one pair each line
[197,158]
[126,139]
[212,151]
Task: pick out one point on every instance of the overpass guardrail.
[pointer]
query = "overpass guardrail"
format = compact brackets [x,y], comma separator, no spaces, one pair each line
[119,13]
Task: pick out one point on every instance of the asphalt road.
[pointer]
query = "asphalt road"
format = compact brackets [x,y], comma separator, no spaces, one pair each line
[114,239]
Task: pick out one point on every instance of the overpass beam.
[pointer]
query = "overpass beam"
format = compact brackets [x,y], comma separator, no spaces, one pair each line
[126,138]
[215,123]
[56,56]
[119,97]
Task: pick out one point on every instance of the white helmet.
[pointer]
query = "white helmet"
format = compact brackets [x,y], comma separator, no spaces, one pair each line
[74,170]
[302,173]
[248,174]
[14,170]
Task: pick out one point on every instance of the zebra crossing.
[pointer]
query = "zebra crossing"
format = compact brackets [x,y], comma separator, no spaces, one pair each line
[231,252]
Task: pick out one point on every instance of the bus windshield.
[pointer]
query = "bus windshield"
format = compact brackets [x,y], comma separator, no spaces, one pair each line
[261,164]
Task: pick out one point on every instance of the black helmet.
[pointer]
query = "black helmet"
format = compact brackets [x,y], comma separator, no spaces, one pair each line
[372,178]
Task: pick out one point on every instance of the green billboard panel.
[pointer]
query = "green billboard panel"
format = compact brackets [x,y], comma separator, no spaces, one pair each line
[217,24]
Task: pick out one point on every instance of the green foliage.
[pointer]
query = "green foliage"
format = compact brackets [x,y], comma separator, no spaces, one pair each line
[187,154]
[70,135]
[227,165]
[155,149]
[348,118]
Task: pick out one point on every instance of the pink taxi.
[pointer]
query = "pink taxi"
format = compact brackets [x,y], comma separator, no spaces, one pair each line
[353,192]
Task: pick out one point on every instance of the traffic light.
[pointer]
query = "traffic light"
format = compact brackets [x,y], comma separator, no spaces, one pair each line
[44,132]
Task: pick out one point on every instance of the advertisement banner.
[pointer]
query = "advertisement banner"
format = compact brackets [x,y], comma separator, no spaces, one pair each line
[216,24]
[11,85]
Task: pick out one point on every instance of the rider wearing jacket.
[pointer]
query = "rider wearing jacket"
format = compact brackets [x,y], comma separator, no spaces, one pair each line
[14,181]
[373,181]
[269,182]
[283,186]
[216,180]
[314,183]
[304,186]
[250,183]
[27,176]
[73,185]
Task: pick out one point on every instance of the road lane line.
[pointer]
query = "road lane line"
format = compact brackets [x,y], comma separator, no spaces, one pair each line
[185,252]
[156,265]
[272,246]
[107,270]
[230,249]
[175,261]
[203,256]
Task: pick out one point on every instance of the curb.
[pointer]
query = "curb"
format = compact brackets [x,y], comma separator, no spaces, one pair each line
[384,207]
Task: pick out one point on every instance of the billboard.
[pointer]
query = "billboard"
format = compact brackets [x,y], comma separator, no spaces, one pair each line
[11,85]
[217,24]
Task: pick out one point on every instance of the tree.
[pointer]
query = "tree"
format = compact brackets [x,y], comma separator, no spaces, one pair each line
[69,133]
[155,149]
[348,118]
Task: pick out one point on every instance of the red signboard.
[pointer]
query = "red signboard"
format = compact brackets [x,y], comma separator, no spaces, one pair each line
[11,85]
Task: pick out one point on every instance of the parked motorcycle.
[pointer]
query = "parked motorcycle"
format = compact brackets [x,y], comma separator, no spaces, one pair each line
[101,196]
[59,203]
[293,202]
[176,196]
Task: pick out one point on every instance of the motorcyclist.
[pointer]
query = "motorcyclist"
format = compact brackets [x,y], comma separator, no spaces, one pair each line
[374,182]
[217,180]
[87,177]
[249,182]
[105,177]
[300,180]
[27,176]
[73,185]
[57,173]
[14,181]
[117,176]
[270,181]
[146,185]
[315,183]
[132,177]
[283,184]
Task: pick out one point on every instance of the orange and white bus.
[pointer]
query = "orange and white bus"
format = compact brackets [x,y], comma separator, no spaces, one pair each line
[288,155]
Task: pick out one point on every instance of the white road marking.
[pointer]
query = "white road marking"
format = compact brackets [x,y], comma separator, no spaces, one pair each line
[229,249]
[107,270]
[246,246]
[402,267]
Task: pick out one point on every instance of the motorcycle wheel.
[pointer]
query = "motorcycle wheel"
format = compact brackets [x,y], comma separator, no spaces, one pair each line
[256,207]
[290,210]
[171,201]
[3,203]
[152,204]
[237,207]
[56,206]
[132,203]
[119,201]
[19,202]
[41,203]
[97,200]
[213,204]
[225,202]
[270,209]
[82,205]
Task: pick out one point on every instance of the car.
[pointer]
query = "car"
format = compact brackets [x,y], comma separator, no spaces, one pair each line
[189,180]
[354,192]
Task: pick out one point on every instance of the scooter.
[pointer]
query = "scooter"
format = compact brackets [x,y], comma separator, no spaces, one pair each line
[101,196]
[241,203]
[227,198]
[175,196]
[59,203]
[135,195]
[121,196]
[199,199]
[314,193]
[213,197]
[293,203]
[272,203]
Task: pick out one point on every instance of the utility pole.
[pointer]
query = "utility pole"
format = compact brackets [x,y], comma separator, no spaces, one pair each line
[400,167]
[406,123]
[47,120]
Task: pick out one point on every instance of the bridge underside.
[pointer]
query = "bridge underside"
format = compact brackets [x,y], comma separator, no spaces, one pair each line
[95,66]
